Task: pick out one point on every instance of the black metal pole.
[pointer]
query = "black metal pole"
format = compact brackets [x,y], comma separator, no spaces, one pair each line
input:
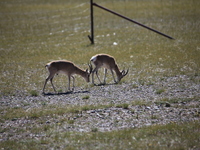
[132,20]
[92,23]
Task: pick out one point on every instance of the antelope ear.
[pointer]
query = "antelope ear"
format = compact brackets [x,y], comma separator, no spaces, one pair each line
[90,67]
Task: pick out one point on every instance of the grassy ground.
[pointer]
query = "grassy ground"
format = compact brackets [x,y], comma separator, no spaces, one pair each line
[171,136]
[35,32]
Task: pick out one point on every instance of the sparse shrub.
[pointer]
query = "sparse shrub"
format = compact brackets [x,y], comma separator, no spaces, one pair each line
[34,93]
[132,111]
[85,108]
[70,121]
[43,103]
[35,115]
[46,127]
[135,86]
[94,130]
[141,82]
[140,102]
[150,83]
[124,106]
[74,110]
[86,97]
[60,91]
[159,91]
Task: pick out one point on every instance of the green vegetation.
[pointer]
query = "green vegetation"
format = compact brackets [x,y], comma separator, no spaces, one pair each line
[35,33]
[159,91]
[124,106]
[50,110]
[86,97]
[33,93]
[170,136]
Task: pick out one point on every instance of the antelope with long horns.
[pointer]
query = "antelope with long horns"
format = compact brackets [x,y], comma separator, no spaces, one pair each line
[108,62]
[67,68]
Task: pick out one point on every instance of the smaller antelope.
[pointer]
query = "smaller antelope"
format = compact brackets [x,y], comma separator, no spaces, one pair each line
[107,62]
[65,67]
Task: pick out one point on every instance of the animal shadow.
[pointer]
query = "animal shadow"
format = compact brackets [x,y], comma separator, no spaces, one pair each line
[65,93]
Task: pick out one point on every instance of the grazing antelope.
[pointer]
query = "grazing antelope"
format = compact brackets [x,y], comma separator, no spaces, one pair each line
[65,67]
[107,62]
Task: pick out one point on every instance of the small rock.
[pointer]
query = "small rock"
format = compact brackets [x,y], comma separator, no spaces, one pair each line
[47,122]
[148,107]
[14,119]
[90,111]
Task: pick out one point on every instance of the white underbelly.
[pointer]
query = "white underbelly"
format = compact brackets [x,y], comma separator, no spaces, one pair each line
[105,66]
[62,72]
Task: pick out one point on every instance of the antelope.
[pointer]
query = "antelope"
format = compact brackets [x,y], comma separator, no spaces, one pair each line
[108,62]
[67,68]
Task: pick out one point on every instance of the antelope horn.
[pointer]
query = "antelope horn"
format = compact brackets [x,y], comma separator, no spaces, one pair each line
[125,73]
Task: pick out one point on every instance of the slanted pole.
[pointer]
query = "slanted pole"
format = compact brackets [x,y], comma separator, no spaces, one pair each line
[131,20]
